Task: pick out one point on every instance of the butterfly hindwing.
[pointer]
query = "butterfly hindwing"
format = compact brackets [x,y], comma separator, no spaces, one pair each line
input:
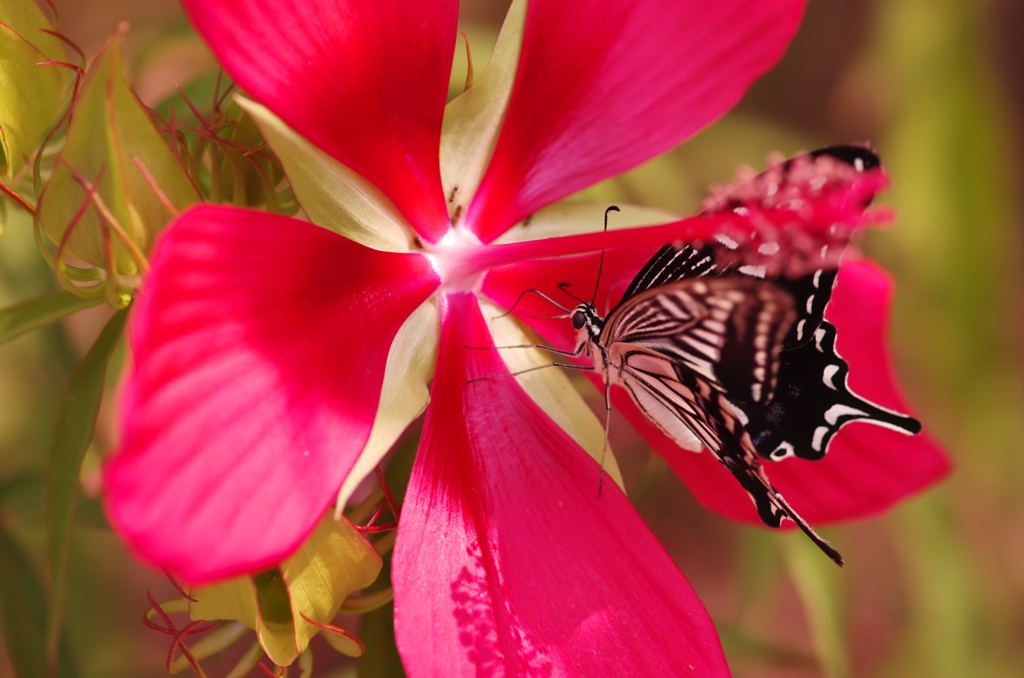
[812,402]
[669,394]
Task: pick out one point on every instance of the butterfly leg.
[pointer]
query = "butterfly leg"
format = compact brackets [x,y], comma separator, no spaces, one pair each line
[607,426]
[533,369]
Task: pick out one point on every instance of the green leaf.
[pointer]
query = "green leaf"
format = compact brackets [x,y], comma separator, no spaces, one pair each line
[30,95]
[41,311]
[23,602]
[23,608]
[113,142]
[76,419]
[819,587]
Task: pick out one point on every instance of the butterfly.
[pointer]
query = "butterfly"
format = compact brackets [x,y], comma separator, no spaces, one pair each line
[721,350]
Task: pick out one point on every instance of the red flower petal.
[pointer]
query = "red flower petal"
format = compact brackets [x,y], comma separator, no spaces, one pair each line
[868,468]
[260,344]
[604,86]
[364,81]
[504,544]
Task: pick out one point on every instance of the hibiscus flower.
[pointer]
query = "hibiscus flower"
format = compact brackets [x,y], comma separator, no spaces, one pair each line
[276,360]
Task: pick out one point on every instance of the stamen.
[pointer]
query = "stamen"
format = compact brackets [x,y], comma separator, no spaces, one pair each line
[387,491]
[177,587]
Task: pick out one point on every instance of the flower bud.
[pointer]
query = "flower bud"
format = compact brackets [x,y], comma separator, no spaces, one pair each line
[116,183]
[287,606]
[34,89]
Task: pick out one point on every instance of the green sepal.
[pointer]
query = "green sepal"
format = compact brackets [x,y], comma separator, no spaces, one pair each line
[76,419]
[32,314]
[30,95]
[113,143]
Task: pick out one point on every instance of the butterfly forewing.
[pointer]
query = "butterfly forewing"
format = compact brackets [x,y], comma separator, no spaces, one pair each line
[726,329]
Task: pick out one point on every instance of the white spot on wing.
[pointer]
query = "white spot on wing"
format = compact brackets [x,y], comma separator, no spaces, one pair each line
[819,335]
[838,410]
[783,451]
[827,374]
[819,438]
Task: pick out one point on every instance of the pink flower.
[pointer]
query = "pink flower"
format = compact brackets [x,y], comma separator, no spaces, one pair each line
[275,360]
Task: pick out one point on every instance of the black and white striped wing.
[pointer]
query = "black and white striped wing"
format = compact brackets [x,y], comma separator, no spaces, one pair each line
[811,293]
[690,410]
[673,263]
[727,330]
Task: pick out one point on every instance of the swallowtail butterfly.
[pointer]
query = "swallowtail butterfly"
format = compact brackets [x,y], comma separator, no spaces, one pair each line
[723,355]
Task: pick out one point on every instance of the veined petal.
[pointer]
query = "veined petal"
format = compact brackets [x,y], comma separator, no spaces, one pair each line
[505,545]
[260,345]
[868,468]
[603,86]
[364,81]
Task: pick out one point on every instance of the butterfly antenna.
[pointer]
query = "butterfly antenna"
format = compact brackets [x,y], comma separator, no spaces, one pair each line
[600,265]
[565,288]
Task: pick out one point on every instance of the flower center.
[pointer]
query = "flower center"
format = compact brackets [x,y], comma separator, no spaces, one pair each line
[454,259]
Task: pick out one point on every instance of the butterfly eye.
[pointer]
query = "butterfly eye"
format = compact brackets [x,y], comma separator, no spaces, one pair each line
[579,320]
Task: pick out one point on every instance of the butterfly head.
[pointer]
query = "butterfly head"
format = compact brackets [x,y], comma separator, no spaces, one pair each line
[587,322]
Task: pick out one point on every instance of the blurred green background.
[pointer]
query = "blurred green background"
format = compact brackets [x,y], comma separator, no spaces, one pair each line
[935,588]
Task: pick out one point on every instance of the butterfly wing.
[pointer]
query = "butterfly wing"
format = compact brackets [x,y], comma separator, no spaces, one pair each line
[686,406]
[812,402]
[687,351]
[728,330]
[723,255]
